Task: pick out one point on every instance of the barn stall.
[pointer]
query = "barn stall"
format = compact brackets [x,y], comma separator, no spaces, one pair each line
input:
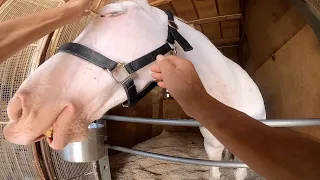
[277,42]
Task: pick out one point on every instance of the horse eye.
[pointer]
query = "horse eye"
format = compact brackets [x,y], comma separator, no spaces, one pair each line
[116,13]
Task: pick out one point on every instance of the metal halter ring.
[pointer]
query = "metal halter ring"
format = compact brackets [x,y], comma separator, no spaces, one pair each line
[120,66]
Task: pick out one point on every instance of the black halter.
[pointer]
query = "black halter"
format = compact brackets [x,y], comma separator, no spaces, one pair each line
[130,68]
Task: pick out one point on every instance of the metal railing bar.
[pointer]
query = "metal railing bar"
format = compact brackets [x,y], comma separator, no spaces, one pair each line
[200,162]
[193,123]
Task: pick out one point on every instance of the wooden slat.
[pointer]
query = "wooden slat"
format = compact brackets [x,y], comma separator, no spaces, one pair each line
[185,9]
[206,8]
[198,27]
[290,84]
[231,53]
[167,7]
[230,28]
[233,40]
[216,19]
[158,2]
[212,30]
[172,110]
[228,6]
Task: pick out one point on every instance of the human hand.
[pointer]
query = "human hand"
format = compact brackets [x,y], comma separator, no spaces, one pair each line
[79,8]
[181,79]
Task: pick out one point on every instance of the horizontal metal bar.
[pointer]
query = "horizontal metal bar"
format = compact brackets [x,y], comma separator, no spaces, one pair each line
[171,122]
[193,123]
[227,164]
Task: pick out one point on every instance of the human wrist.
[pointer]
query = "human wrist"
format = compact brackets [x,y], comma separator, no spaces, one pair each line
[71,13]
[198,106]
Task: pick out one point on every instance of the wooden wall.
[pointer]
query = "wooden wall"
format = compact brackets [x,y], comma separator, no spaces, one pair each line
[268,26]
[290,83]
[221,32]
[284,58]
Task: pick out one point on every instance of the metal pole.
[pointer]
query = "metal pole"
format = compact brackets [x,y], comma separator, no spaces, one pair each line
[193,123]
[179,159]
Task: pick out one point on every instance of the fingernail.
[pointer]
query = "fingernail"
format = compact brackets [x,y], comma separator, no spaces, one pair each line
[160,57]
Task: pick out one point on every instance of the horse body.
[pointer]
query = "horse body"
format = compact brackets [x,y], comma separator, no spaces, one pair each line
[68,93]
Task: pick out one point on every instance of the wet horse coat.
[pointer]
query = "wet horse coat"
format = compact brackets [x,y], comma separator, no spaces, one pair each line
[68,93]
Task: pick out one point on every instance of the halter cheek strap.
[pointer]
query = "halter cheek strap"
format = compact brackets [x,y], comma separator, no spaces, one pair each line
[111,66]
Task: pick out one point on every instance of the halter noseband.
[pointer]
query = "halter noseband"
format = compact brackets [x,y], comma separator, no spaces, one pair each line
[112,66]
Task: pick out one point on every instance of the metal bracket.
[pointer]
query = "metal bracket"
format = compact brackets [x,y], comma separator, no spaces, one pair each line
[104,168]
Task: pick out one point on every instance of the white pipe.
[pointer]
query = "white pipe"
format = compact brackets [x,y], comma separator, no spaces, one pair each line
[193,123]
[227,164]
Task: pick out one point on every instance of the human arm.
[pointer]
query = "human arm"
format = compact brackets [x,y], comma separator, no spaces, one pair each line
[271,152]
[18,33]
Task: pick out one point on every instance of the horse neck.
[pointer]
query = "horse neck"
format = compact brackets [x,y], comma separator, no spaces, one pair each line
[206,58]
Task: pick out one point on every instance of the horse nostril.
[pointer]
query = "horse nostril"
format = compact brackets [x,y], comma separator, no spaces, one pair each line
[15,109]
[19,114]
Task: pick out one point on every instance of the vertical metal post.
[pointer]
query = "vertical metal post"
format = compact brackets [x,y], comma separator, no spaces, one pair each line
[103,163]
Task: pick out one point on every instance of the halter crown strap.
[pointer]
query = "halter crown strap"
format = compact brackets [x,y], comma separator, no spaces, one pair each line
[173,34]
[110,66]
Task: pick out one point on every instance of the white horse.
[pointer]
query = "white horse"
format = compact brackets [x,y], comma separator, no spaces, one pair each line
[67,93]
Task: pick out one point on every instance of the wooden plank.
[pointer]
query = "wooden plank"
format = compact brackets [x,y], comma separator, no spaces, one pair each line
[206,8]
[226,41]
[231,53]
[230,28]
[290,84]
[228,6]
[185,9]
[269,25]
[158,2]
[167,7]
[216,19]
[212,30]
[198,27]
[172,110]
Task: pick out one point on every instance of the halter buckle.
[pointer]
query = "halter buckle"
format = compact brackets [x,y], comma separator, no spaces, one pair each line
[120,68]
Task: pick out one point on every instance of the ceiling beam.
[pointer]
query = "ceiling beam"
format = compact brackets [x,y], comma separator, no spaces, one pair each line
[158,2]
[215,19]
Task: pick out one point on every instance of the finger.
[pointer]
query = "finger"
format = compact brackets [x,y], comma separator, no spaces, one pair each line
[163,60]
[155,68]
[160,57]
[177,61]
[162,85]
[157,76]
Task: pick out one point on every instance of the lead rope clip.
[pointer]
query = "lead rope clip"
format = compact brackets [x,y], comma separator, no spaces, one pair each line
[173,49]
